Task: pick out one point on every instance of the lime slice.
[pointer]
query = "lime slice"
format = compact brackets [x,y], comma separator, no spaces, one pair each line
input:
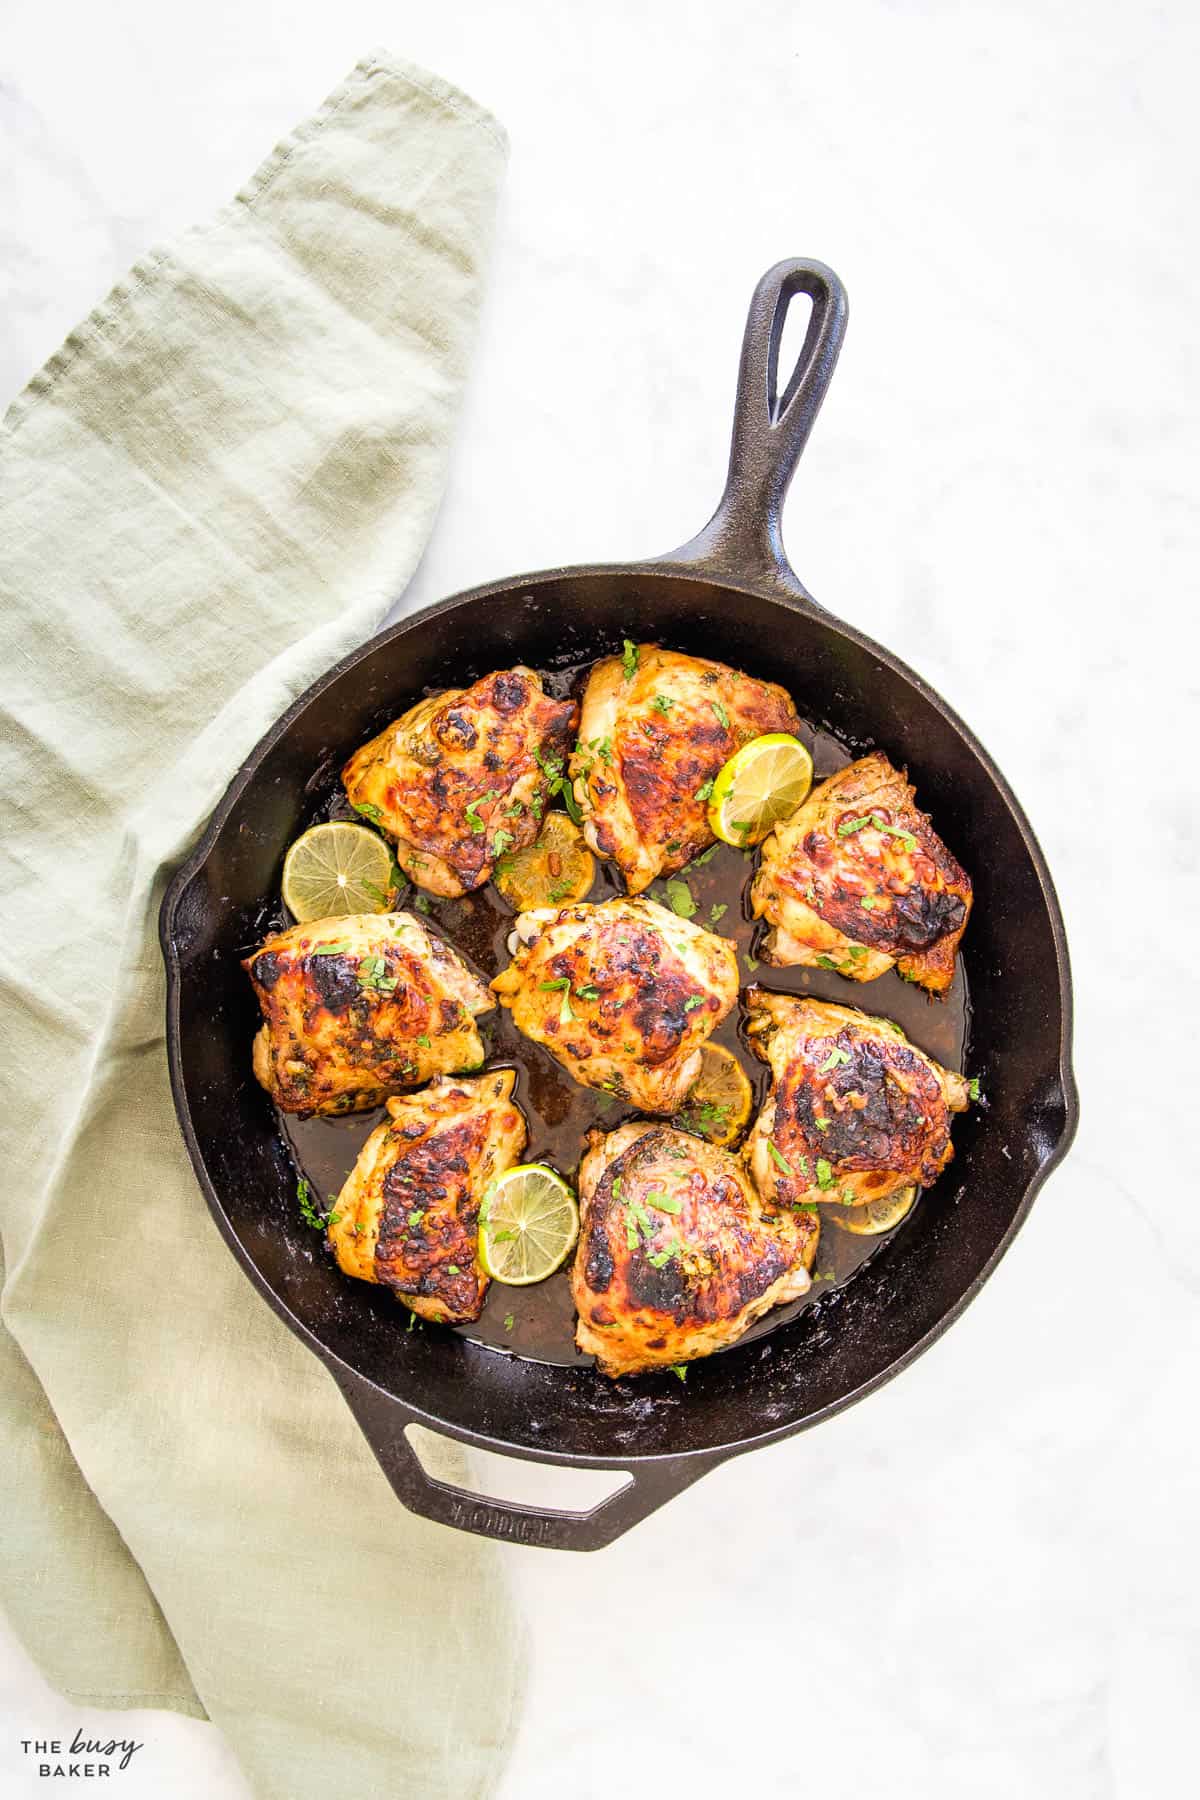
[557,870]
[763,782]
[719,1101]
[873,1217]
[527,1225]
[336,869]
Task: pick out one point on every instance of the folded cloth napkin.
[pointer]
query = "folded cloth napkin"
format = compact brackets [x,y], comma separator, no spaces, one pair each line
[215,488]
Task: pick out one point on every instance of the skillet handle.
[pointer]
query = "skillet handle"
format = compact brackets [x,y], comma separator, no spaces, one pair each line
[383,1419]
[743,540]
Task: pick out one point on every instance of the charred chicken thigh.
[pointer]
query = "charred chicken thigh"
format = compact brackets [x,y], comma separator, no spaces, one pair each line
[678,1255]
[357,1007]
[855,1111]
[408,1213]
[463,777]
[623,994]
[656,728]
[857,879]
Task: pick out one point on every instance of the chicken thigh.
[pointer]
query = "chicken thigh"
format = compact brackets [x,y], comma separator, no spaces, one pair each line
[656,728]
[358,1007]
[463,777]
[855,1113]
[857,879]
[677,1254]
[623,994]
[408,1213]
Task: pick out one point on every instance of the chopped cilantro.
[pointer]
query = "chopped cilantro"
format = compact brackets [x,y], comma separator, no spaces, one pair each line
[502,841]
[827,962]
[367,810]
[717,914]
[692,1002]
[421,902]
[832,1061]
[416,1215]
[338,949]
[373,977]
[704,790]
[308,1211]
[780,1161]
[471,810]
[973,1087]
[722,715]
[910,842]
[824,1173]
[848,827]
[550,987]
[680,896]
[588,992]
[423,1040]
[664,1203]
[509,1321]
[680,1369]
[629,659]
[661,704]
[868,904]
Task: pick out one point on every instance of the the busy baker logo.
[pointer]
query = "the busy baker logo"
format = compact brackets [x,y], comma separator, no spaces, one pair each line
[83,1759]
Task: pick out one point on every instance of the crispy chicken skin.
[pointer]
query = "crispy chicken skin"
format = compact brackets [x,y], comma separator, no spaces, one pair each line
[677,1253]
[408,1213]
[357,1007]
[651,740]
[855,1111]
[458,781]
[857,879]
[623,994]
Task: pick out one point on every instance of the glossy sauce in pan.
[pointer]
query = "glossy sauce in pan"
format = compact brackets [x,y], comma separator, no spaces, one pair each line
[559,1112]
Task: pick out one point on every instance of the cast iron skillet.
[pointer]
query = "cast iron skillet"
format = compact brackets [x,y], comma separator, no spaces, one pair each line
[729,593]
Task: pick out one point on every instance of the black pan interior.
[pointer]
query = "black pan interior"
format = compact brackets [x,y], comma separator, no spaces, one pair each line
[855,1335]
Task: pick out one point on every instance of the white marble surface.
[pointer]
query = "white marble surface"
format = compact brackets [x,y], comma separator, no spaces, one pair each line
[984,1581]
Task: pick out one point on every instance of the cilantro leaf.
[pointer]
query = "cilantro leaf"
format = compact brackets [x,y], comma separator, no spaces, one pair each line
[679,894]
[780,1161]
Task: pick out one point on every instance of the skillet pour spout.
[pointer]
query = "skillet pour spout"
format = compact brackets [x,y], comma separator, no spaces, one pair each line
[729,593]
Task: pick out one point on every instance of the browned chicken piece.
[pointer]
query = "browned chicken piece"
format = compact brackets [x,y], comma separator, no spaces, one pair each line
[463,777]
[623,994]
[655,731]
[358,1007]
[857,879]
[855,1113]
[408,1213]
[678,1255]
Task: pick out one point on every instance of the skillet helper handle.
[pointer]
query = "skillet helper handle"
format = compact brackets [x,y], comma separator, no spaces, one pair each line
[383,1419]
[743,540]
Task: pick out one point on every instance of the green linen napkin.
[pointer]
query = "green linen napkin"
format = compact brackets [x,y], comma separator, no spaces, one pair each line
[215,488]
